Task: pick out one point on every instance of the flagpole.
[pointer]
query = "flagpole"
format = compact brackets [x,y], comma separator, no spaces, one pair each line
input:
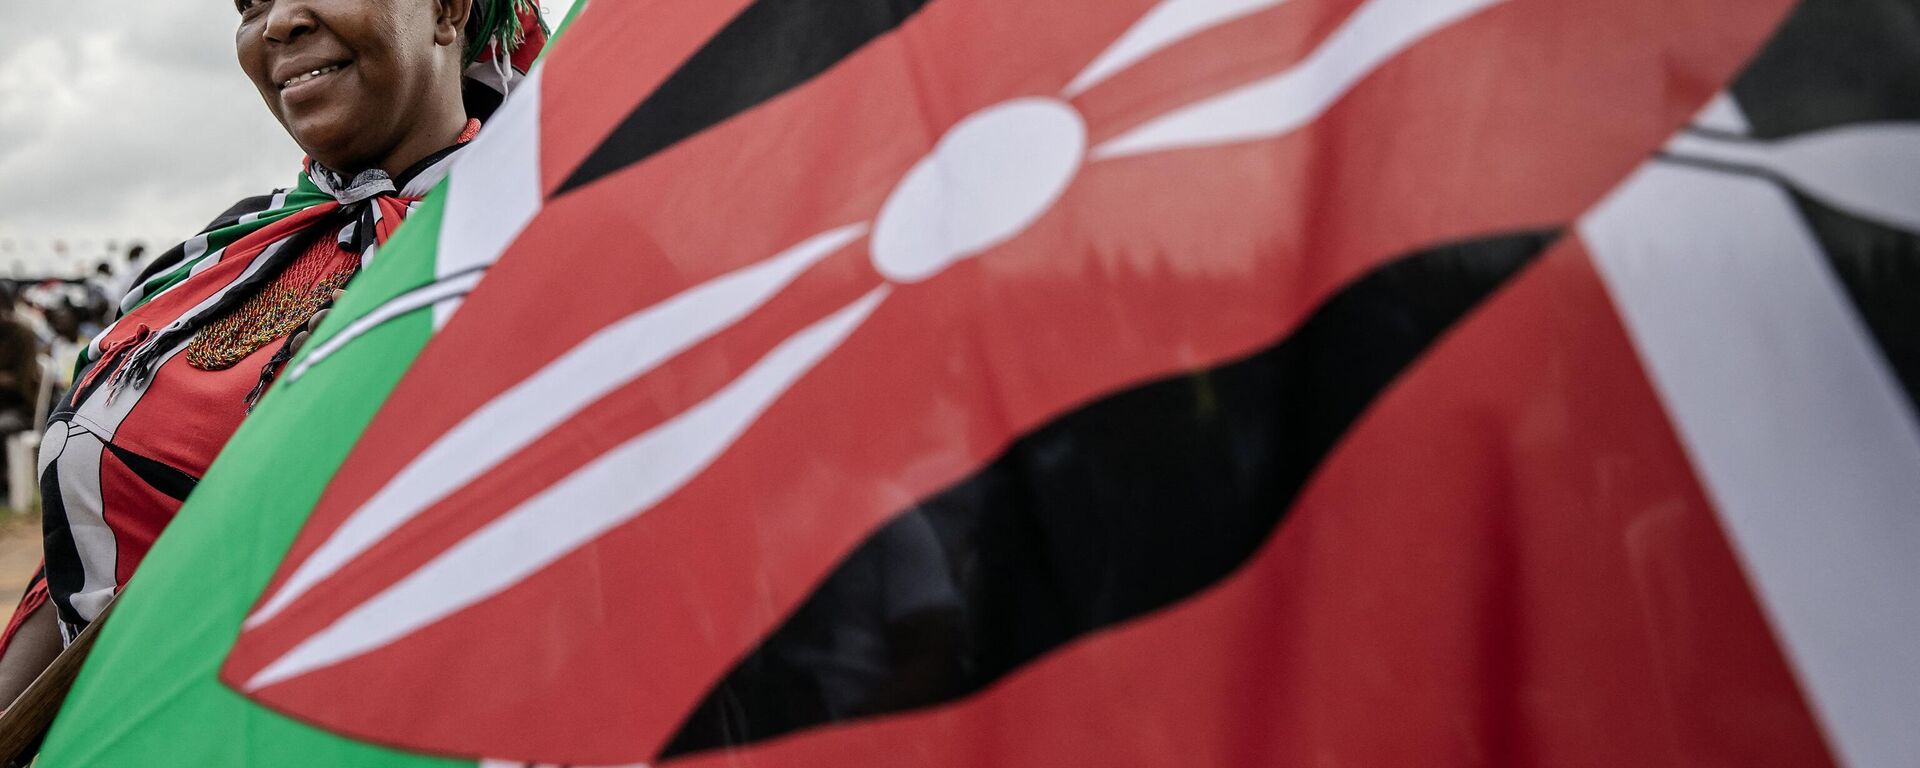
[23,724]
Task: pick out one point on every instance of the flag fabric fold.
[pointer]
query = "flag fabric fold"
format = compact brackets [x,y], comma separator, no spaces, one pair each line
[1237,382]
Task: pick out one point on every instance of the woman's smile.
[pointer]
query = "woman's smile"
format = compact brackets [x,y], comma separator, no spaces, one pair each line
[305,82]
[311,76]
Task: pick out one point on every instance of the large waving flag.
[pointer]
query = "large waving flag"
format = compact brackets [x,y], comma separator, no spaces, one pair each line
[1143,382]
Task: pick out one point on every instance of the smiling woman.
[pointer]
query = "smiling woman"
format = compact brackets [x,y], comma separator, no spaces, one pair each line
[359,84]
[381,95]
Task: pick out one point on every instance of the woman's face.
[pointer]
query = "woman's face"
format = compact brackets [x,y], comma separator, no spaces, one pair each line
[388,82]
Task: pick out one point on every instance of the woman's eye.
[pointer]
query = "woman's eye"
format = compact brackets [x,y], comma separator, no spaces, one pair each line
[246,5]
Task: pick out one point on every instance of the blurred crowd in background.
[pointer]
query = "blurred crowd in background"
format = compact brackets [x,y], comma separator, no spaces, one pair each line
[45,323]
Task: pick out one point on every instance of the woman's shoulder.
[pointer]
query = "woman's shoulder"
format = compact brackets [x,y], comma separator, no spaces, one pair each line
[240,218]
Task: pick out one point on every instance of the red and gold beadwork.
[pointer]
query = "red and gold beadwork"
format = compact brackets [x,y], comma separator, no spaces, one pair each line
[281,308]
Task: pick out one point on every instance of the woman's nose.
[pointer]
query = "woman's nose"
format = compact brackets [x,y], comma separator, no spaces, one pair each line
[288,19]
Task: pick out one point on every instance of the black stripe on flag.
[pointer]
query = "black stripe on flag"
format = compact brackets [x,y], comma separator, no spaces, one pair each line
[1125,506]
[771,47]
[1880,267]
[1832,63]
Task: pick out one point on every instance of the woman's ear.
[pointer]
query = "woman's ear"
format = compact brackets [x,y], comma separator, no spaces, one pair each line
[450,18]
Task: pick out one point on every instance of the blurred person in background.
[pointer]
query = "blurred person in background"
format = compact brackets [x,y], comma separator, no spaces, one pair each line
[100,298]
[129,273]
[19,366]
[67,323]
[29,304]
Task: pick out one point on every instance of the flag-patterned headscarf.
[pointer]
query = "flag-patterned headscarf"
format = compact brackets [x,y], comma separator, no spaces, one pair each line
[204,278]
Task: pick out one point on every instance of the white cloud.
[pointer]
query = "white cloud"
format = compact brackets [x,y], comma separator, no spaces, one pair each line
[127,119]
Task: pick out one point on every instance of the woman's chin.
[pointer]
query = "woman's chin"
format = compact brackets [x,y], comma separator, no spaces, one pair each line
[329,144]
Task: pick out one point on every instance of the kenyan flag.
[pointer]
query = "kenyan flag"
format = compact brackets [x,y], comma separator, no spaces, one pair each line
[1096,382]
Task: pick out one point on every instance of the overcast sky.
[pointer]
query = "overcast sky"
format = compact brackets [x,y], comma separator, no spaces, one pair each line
[127,120]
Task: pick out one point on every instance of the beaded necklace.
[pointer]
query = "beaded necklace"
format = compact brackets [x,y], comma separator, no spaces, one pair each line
[281,308]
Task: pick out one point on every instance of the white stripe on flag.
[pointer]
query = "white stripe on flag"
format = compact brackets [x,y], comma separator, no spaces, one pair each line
[608,492]
[427,295]
[493,189]
[1794,425]
[1870,170]
[1168,23]
[604,362]
[1372,36]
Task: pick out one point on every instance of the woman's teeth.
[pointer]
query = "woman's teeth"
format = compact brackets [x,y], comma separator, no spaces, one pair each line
[311,75]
